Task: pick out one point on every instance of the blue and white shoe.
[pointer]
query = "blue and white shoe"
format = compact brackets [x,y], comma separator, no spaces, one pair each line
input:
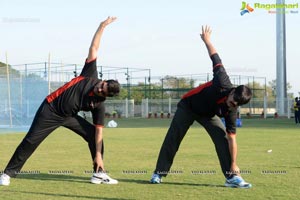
[237,182]
[155,179]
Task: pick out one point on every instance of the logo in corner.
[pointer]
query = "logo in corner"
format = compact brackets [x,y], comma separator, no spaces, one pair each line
[246,8]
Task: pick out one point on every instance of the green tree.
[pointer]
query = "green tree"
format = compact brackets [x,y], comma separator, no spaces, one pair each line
[258,90]
[272,85]
[174,87]
[11,70]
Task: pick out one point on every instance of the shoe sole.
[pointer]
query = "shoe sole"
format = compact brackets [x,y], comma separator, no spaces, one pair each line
[96,180]
[101,182]
[155,181]
[4,184]
[237,186]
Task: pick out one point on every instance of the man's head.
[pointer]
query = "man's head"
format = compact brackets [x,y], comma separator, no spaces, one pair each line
[107,88]
[296,99]
[239,96]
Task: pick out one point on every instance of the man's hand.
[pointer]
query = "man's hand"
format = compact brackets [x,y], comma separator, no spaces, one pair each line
[232,144]
[98,163]
[205,35]
[93,50]
[107,21]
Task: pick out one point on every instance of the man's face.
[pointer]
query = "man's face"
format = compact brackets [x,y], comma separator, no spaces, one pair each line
[231,103]
[101,89]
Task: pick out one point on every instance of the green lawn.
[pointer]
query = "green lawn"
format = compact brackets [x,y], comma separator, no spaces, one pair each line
[131,151]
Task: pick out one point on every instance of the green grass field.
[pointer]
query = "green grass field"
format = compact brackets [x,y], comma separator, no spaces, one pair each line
[62,164]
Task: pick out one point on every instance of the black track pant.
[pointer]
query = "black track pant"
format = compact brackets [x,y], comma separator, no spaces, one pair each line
[181,122]
[46,121]
[297,116]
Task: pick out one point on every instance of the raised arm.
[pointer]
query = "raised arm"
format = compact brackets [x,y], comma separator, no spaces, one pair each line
[97,37]
[205,36]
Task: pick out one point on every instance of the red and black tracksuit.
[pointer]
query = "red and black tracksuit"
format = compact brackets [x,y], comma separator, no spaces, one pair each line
[60,108]
[204,104]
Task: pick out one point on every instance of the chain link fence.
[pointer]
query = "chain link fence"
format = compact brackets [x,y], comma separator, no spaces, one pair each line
[24,87]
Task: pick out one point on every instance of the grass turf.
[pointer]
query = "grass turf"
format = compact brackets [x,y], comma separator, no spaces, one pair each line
[61,166]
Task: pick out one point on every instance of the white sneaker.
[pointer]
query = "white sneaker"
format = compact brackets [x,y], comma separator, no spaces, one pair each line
[4,180]
[101,177]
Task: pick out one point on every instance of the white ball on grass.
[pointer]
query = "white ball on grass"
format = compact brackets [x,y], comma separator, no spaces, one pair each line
[112,124]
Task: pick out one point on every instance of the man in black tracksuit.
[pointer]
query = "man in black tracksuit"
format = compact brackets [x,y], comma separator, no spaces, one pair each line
[83,93]
[205,104]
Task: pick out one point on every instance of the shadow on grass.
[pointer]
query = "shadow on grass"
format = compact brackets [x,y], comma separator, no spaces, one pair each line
[170,183]
[80,179]
[195,184]
[56,195]
[59,177]
[55,177]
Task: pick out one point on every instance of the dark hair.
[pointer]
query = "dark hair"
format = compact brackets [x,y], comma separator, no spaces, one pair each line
[113,88]
[242,94]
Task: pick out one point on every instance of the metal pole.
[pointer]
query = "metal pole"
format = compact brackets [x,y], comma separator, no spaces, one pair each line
[146,107]
[26,89]
[128,84]
[265,106]
[49,85]
[177,88]
[162,94]
[281,92]
[288,108]
[265,100]
[145,88]
[8,91]
[170,104]
[21,98]
[253,89]
[149,81]
[126,108]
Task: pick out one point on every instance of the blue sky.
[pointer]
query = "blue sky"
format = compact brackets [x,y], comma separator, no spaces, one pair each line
[160,35]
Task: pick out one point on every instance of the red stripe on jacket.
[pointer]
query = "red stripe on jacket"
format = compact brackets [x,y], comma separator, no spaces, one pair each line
[51,97]
[217,65]
[197,89]
[222,100]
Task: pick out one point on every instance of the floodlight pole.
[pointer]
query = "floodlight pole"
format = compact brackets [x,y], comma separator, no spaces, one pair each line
[281,93]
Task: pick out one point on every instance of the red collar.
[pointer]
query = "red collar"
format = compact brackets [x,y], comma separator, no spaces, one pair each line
[222,100]
[91,94]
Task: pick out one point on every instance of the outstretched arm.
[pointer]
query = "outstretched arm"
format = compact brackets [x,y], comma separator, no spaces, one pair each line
[98,160]
[205,36]
[221,79]
[232,144]
[97,37]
